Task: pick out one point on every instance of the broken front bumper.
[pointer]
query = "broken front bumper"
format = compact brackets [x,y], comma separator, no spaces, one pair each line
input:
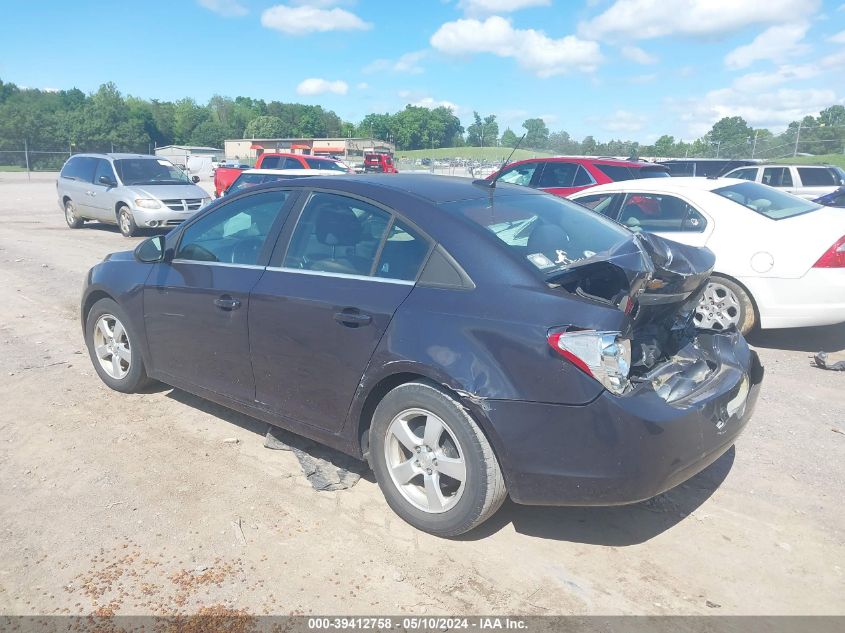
[624,449]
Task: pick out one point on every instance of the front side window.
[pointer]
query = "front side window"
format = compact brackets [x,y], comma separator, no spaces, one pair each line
[291,163]
[777,177]
[775,205]
[103,169]
[657,213]
[234,233]
[748,173]
[547,232]
[271,162]
[519,174]
[816,177]
[558,175]
[149,171]
[337,234]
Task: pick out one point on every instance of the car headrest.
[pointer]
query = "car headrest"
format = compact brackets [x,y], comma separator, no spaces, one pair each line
[338,226]
[547,238]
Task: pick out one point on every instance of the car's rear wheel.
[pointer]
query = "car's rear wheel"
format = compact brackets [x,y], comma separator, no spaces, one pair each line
[433,463]
[73,220]
[110,345]
[723,304]
[125,222]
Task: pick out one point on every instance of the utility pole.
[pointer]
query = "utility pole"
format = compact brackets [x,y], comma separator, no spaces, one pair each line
[797,138]
[718,147]
[754,146]
[26,157]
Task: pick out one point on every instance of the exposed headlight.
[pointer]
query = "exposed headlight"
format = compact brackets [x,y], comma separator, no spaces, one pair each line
[147,203]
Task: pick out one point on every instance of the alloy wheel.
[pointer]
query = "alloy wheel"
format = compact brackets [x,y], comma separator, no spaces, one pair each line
[718,308]
[425,460]
[125,223]
[111,344]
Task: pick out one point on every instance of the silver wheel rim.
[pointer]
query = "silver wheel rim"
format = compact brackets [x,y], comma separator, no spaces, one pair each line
[111,345]
[425,461]
[69,214]
[124,221]
[718,308]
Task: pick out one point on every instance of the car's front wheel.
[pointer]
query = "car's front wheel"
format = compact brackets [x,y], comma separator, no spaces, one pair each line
[72,219]
[433,463]
[125,222]
[111,346]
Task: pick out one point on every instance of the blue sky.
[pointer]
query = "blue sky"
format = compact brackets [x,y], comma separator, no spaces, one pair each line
[631,69]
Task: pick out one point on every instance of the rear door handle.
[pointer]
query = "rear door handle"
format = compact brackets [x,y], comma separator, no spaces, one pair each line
[352,317]
[227,303]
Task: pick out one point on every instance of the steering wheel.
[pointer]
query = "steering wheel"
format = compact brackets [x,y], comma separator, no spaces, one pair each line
[246,251]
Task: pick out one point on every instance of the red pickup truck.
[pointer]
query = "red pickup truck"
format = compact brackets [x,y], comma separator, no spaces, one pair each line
[225,176]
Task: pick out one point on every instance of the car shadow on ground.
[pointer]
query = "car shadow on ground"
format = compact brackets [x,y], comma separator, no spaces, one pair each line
[112,228]
[828,338]
[615,526]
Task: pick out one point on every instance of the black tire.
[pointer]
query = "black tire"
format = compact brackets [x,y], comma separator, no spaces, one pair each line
[741,310]
[73,221]
[484,487]
[136,377]
[125,222]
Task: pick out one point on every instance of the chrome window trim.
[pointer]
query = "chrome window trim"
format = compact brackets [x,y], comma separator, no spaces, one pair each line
[321,273]
[223,264]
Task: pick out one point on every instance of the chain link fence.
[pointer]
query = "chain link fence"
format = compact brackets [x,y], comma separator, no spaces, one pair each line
[21,156]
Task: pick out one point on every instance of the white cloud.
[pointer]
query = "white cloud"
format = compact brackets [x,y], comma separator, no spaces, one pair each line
[226,8]
[642,79]
[491,7]
[316,86]
[777,44]
[646,19]
[839,38]
[622,121]
[307,19]
[638,55]
[319,4]
[534,50]
[409,64]
[421,99]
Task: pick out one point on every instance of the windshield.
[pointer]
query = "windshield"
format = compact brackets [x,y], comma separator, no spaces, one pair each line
[774,204]
[322,163]
[548,232]
[149,171]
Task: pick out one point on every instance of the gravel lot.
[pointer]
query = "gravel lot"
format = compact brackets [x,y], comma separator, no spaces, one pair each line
[139,504]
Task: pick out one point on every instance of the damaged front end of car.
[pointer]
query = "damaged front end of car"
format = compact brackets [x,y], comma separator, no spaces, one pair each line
[656,284]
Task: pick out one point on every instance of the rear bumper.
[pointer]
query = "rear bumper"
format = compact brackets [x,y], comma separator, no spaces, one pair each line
[619,450]
[817,298]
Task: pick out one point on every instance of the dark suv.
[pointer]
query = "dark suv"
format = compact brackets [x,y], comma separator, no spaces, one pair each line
[564,175]
[469,341]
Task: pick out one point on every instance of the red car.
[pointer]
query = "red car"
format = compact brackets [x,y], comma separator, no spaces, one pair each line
[564,175]
[225,176]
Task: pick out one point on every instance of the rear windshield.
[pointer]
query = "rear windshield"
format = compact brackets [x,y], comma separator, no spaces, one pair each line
[322,163]
[250,180]
[767,201]
[651,172]
[548,232]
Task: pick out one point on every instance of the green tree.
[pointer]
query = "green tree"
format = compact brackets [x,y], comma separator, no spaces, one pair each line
[264,127]
[536,133]
[665,146]
[730,137]
[509,139]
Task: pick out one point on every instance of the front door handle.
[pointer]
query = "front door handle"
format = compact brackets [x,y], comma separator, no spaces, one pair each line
[227,303]
[352,317]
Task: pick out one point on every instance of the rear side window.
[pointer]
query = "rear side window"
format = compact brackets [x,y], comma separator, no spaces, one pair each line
[816,177]
[291,163]
[80,168]
[583,178]
[777,177]
[402,254]
[657,213]
[616,172]
[558,175]
[271,162]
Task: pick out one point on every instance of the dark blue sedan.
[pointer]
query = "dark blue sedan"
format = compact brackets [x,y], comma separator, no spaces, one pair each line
[469,341]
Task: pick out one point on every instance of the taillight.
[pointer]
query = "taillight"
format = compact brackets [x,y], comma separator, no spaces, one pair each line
[834,257]
[605,356]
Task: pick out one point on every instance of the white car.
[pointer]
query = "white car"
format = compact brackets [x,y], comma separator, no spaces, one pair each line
[252,177]
[780,259]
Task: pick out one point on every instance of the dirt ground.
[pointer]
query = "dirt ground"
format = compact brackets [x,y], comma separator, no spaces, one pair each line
[139,504]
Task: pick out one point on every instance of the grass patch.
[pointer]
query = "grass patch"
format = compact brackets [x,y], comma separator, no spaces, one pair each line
[12,168]
[824,159]
[476,153]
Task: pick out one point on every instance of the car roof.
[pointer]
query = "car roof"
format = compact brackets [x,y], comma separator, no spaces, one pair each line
[676,183]
[432,188]
[587,160]
[117,156]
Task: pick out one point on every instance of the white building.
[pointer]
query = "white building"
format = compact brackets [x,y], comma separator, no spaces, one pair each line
[248,149]
[179,154]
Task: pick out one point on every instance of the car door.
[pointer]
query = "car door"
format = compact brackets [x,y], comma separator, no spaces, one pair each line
[318,313]
[76,183]
[101,196]
[669,216]
[196,305]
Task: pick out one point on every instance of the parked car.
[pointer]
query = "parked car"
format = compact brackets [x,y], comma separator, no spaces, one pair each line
[780,259]
[225,176]
[806,181]
[563,176]
[253,177]
[835,199]
[402,320]
[705,167]
[130,190]
[379,162]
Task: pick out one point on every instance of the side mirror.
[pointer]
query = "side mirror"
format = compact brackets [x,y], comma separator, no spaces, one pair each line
[151,250]
[108,182]
[195,179]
